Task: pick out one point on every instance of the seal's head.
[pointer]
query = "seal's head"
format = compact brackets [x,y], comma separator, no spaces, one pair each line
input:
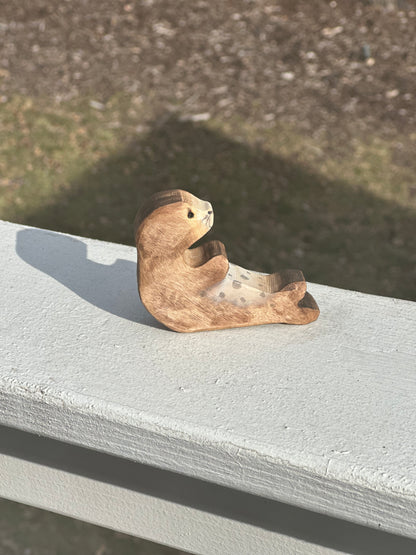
[172,221]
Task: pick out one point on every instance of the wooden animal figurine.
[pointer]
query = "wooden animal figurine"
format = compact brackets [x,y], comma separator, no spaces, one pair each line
[194,289]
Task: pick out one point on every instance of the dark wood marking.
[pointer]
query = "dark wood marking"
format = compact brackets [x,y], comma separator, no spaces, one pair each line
[156,201]
[244,277]
[222,294]
[236,284]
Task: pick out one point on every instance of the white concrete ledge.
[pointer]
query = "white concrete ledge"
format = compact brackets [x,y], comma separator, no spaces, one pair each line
[320,417]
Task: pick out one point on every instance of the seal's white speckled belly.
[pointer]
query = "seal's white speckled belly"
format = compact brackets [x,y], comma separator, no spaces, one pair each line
[240,287]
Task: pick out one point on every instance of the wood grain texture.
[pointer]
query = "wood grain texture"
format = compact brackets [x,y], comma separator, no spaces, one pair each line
[194,289]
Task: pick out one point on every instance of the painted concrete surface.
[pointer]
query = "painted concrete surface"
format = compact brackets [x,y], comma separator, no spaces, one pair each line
[320,416]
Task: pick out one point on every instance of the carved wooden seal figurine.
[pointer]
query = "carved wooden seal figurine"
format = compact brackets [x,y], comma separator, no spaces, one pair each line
[194,289]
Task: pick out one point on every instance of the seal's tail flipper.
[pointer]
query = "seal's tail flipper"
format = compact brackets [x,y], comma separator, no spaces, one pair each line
[306,311]
[308,302]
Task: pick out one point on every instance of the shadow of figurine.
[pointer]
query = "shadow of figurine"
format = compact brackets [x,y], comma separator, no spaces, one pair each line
[112,287]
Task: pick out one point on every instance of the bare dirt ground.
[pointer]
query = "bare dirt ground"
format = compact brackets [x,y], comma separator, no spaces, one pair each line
[334,68]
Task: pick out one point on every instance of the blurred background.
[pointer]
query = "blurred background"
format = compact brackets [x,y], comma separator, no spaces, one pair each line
[295,118]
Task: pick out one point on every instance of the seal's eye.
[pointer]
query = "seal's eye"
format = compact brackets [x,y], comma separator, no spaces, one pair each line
[190,214]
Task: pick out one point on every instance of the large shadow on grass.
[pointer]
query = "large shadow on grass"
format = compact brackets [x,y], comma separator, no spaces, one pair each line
[270,212]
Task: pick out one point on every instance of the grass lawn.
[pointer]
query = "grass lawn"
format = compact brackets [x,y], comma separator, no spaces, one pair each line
[281,198]
[28,531]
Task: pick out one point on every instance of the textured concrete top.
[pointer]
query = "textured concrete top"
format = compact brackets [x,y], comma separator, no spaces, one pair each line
[320,416]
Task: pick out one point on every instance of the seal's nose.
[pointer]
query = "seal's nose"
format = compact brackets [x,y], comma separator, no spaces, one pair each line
[209,211]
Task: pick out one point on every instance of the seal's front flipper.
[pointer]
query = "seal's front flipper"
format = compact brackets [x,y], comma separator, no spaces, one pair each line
[198,256]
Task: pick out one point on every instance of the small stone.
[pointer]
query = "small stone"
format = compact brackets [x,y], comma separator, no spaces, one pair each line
[365,52]
[224,102]
[288,75]
[329,32]
[220,90]
[392,94]
[205,116]
[96,105]
[163,29]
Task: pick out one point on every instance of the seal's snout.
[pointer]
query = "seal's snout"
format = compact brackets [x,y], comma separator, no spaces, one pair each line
[209,218]
[207,214]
